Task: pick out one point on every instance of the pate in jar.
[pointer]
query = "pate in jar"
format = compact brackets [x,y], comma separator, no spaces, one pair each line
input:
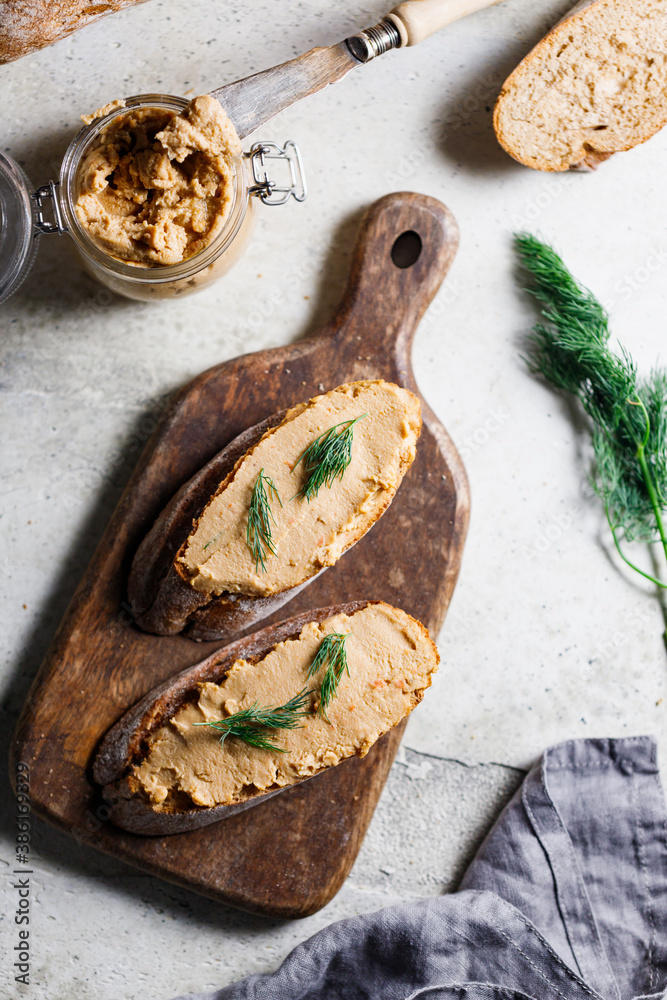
[156,194]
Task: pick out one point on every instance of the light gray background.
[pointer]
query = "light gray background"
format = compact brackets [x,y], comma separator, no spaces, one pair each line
[545,640]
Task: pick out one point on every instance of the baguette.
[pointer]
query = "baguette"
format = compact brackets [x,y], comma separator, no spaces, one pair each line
[594,86]
[194,572]
[162,774]
[29,25]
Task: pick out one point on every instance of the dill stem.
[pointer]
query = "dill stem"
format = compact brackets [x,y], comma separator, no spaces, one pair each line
[648,478]
[647,576]
[653,496]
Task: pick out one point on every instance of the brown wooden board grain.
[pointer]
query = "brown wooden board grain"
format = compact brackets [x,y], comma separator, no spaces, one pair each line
[290,855]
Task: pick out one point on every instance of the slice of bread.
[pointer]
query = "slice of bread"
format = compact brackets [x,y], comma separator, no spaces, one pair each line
[164,769]
[28,25]
[594,86]
[195,571]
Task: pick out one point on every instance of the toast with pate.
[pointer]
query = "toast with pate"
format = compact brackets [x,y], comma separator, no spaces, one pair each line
[175,762]
[281,503]
[594,86]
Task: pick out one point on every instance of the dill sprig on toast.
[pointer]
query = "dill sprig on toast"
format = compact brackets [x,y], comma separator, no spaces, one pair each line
[327,458]
[251,725]
[259,534]
[333,656]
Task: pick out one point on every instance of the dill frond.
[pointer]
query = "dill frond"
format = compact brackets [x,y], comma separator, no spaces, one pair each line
[327,458]
[331,655]
[252,724]
[259,536]
[570,349]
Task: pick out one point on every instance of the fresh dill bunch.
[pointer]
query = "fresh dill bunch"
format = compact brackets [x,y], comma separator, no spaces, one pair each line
[333,656]
[259,536]
[570,349]
[252,724]
[327,458]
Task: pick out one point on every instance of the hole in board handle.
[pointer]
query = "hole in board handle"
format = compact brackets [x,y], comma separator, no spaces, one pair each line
[406,249]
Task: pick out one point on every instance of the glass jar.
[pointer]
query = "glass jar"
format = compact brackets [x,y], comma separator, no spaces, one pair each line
[22,215]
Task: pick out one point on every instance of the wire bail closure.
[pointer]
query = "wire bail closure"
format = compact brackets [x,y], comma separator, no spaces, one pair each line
[48,194]
[269,191]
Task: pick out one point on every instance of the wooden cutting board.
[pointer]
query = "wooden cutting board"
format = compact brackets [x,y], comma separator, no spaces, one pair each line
[289,856]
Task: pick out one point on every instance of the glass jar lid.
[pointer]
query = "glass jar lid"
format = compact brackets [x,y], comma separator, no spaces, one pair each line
[18,235]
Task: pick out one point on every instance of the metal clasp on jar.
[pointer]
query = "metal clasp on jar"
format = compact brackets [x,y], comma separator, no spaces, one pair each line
[48,194]
[268,190]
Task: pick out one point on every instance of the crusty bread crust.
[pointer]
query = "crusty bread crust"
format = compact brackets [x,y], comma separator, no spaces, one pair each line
[583,146]
[160,595]
[28,25]
[125,744]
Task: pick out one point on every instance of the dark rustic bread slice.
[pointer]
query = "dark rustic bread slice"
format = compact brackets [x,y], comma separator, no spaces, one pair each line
[161,594]
[408,660]
[28,25]
[594,86]
[163,602]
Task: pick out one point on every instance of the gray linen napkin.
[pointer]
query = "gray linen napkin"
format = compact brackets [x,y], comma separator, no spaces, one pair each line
[565,900]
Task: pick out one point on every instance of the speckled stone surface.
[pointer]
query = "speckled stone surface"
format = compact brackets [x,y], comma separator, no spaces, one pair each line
[546,640]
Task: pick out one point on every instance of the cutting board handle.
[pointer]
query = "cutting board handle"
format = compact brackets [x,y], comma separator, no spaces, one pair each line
[406,245]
